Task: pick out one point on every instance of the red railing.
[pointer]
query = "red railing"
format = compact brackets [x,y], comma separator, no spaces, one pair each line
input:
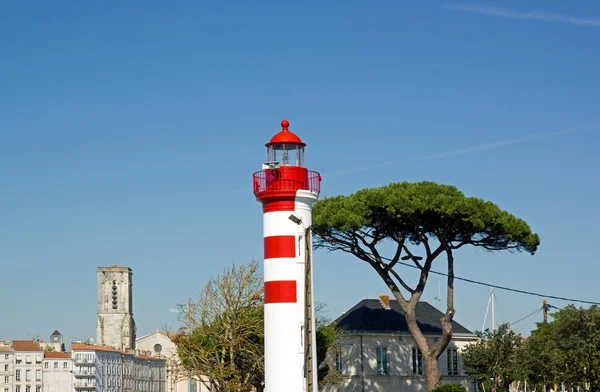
[286,178]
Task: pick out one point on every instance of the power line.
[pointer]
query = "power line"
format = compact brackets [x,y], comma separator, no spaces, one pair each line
[500,287]
[529,315]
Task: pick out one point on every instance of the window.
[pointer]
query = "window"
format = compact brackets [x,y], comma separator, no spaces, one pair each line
[6,368]
[338,359]
[18,375]
[27,375]
[382,361]
[38,389]
[452,355]
[55,365]
[417,361]
[17,389]
[6,357]
[65,365]
[27,359]
[19,360]
[45,365]
[27,388]
[6,379]
[38,375]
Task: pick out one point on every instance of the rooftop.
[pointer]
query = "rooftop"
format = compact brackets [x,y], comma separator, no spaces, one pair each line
[91,347]
[285,136]
[369,315]
[114,267]
[56,354]
[26,345]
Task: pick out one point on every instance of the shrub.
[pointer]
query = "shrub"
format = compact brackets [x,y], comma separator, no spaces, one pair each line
[450,388]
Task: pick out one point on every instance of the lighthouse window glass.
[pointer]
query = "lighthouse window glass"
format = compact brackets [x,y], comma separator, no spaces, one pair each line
[277,154]
[290,155]
[301,156]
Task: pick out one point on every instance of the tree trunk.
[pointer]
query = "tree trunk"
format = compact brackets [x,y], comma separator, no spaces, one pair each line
[433,376]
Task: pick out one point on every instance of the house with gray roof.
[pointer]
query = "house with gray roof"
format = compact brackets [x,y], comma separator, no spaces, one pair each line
[376,352]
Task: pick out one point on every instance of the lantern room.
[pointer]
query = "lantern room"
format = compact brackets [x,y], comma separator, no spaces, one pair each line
[285,148]
[284,173]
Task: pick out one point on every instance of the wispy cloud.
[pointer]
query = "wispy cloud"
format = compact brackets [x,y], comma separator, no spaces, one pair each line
[446,154]
[532,15]
[475,148]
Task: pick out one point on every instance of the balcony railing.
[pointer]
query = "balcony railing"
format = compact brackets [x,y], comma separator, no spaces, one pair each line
[286,178]
[84,385]
[84,361]
[84,374]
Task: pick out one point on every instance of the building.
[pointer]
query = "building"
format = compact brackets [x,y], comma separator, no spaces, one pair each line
[377,353]
[6,366]
[55,344]
[105,369]
[57,373]
[115,325]
[27,366]
[160,345]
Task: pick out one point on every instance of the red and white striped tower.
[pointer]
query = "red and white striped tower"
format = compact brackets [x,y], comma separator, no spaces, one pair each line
[287,191]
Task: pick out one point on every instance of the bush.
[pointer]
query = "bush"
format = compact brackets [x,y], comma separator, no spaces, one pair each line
[450,388]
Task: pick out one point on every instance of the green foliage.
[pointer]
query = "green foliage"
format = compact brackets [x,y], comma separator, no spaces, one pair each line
[327,335]
[424,209]
[450,388]
[495,357]
[537,359]
[433,218]
[567,349]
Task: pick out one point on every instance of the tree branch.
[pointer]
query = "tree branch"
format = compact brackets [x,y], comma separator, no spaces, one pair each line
[414,258]
[425,274]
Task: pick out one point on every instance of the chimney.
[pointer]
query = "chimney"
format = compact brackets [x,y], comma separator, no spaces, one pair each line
[385,301]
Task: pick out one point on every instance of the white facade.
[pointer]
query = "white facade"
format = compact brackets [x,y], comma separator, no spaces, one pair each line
[115,326]
[28,366]
[57,372]
[161,346]
[392,362]
[103,369]
[6,367]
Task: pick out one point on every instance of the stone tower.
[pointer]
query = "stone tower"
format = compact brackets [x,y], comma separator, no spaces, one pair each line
[115,326]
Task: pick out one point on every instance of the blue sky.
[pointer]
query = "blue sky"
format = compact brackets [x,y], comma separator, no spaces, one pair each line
[129,134]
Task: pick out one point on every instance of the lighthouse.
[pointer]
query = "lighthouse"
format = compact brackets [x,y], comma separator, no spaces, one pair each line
[287,190]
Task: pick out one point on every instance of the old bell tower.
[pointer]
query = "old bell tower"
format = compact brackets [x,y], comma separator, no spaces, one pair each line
[115,326]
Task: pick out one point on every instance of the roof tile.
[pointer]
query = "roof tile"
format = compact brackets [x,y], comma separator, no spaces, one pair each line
[56,354]
[370,316]
[26,345]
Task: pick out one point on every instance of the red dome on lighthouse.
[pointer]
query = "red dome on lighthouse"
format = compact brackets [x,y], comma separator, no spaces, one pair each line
[285,136]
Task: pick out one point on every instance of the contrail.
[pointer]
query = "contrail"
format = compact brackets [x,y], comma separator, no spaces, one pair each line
[534,15]
[481,147]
